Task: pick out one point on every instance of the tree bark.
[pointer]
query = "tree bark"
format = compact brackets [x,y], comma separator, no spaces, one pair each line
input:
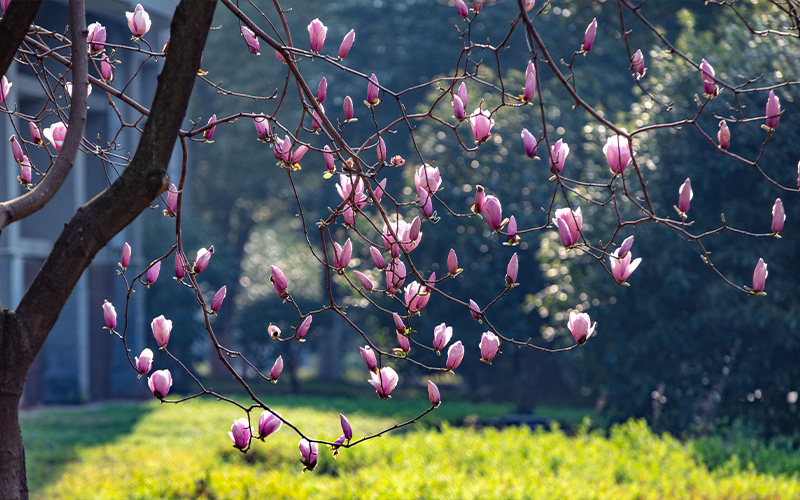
[24,331]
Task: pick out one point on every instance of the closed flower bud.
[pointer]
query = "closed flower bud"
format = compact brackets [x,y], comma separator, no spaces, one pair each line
[364,280]
[402,341]
[240,433]
[279,281]
[377,257]
[172,201]
[474,310]
[160,382]
[16,149]
[25,172]
[581,327]
[625,247]
[125,258]
[490,345]
[347,44]
[395,276]
[530,143]
[462,9]
[342,255]
[558,155]
[309,453]
[277,369]
[268,424]
[330,164]
[138,21]
[162,329]
[5,87]
[588,36]
[685,196]
[250,38]
[513,237]
[778,216]
[512,269]
[493,212]
[106,69]
[529,91]
[759,277]
[316,33]
[529,5]
[724,135]
[380,151]
[773,111]
[384,381]
[302,330]
[618,153]
[637,63]
[144,362]
[202,259]
[347,108]
[216,302]
[262,127]
[36,134]
[569,224]
[180,271]
[372,91]
[458,109]
[152,273]
[347,430]
[452,263]
[462,93]
[369,358]
[481,122]
[398,323]
[433,394]
[480,199]
[454,355]
[208,134]
[322,90]
[109,315]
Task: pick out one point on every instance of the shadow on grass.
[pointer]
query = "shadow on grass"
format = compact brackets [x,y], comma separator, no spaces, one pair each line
[53,436]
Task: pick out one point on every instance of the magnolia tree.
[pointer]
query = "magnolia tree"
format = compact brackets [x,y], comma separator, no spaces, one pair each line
[385,222]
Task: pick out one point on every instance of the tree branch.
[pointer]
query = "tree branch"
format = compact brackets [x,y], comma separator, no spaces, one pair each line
[13,27]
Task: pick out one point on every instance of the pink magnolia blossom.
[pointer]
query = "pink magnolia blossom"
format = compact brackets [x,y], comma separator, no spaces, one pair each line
[309,453]
[778,216]
[709,82]
[481,122]
[276,370]
[462,93]
[240,433]
[558,155]
[454,355]
[160,382]
[474,310]
[202,259]
[144,362]
[172,201]
[377,257]
[5,87]
[452,263]
[513,237]
[581,327]
[25,171]
[180,269]
[351,189]
[530,143]
[302,330]
[621,265]
[529,91]
[342,254]
[724,135]
[760,276]
[433,394]
[402,341]
[395,275]
[618,153]
[480,199]
[55,134]
[347,109]
[441,336]
[316,33]
[106,69]
[380,150]
[322,90]
[262,127]
[138,21]
[458,109]
[372,91]
[416,296]
[268,423]
[773,110]
[427,178]
[588,36]
[384,381]
[96,37]
[569,224]
[279,281]
[208,134]
[162,329]
[637,63]
[404,237]
[685,196]
[216,302]
[16,149]
[152,273]
[493,212]
[109,315]
[462,8]
[512,269]
[36,134]
[250,39]
[347,44]
[490,345]
[347,429]
[125,258]
[368,355]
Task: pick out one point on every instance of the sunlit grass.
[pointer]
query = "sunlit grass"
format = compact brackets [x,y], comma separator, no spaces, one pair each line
[149,451]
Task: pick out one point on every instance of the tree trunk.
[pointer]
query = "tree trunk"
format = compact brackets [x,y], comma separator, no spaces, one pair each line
[13,482]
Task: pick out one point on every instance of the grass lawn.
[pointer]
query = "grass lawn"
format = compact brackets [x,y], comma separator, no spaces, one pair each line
[152,451]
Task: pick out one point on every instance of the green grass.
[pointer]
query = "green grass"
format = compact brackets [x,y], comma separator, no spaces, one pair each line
[146,451]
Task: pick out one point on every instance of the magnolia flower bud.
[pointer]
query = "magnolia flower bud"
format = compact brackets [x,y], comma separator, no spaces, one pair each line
[481,122]
[529,91]
[262,127]
[160,382]
[208,134]
[511,270]
[347,108]
[202,259]
[709,82]
[773,111]
[403,342]
[458,109]
[302,330]
[377,257]
[322,90]
[268,423]
[724,135]
[441,336]
[5,87]
[55,134]
[462,9]
[316,33]
[778,216]
[96,37]
[277,369]
[16,149]
[452,263]
[162,329]
[759,277]
[273,331]
[433,394]
[172,201]
[530,143]
[309,453]
[144,362]
[474,310]
[279,281]
[364,280]
[493,212]
[685,196]
[342,255]
[125,259]
[180,270]
[36,134]
[250,38]
[489,345]
[240,433]
[152,273]
[480,199]
[347,430]
[109,315]
[138,21]
[347,44]
[380,150]
[637,63]
[558,155]
[581,327]
[372,91]
[454,355]
[216,302]
[369,358]
[618,153]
